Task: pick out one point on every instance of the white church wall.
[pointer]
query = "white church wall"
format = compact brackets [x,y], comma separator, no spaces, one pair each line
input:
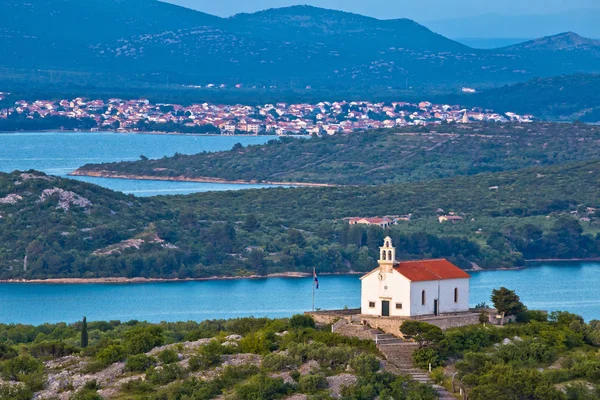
[395,288]
[443,291]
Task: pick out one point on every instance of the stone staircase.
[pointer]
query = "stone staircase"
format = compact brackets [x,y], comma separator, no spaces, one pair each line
[399,361]
[397,352]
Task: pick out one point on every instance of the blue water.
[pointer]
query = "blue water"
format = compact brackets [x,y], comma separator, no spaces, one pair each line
[569,287]
[58,153]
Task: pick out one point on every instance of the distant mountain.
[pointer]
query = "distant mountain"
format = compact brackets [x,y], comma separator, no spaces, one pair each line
[585,22]
[153,41]
[568,97]
[567,41]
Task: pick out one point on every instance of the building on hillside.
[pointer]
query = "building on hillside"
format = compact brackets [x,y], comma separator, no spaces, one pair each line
[450,218]
[382,222]
[413,288]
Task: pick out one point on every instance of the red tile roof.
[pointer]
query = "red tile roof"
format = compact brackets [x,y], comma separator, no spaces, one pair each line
[430,270]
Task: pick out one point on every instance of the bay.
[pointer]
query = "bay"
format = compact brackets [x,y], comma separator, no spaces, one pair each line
[58,153]
[556,286]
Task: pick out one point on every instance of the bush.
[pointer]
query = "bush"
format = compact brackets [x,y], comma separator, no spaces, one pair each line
[437,375]
[261,387]
[139,363]
[279,362]
[15,392]
[137,386]
[111,354]
[533,315]
[208,356]
[168,356]
[422,332]
[299,321]
[258,343]
[365,364]
[21,367]
[52,349]
[425,356]
[163,375]
[312,383]
[142,340]
[7,352]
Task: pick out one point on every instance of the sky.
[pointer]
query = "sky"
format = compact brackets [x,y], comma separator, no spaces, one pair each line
[419,10]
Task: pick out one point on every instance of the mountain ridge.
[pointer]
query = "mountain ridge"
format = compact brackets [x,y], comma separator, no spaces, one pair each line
[151,41]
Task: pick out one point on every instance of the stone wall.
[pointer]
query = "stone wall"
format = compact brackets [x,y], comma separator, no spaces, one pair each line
[331,316]
[452,321]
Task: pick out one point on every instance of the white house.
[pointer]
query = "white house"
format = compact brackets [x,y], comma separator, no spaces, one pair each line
[413,288]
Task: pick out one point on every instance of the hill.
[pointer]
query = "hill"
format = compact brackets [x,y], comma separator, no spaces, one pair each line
[568,97]
[151,43]
[375,157]
[60,228]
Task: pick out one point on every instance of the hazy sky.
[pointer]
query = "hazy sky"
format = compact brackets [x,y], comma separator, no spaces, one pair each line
[420,10]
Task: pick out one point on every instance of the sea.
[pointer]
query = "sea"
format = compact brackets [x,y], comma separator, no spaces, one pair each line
[553,286]
[58,153]
[569,287]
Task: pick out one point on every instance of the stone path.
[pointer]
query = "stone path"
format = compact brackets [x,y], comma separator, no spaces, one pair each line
[397,352]
[399,360]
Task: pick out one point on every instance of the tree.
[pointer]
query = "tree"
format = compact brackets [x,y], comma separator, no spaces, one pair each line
[423,333]
[84,334]
[251,223]
[507,302]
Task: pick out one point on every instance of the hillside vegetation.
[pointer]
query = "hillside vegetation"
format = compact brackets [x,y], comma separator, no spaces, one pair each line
[376,157]
[151,42]
[569,97]
[53,228]
[541,357]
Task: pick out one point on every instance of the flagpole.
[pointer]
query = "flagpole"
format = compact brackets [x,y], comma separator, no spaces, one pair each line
[313,297]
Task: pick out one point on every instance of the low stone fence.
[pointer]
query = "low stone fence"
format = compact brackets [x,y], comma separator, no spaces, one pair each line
[331,316]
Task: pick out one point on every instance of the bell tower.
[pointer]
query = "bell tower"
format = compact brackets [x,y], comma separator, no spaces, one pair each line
[387,256]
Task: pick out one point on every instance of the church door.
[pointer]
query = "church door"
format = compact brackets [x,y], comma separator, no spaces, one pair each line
[385,308]
[435,307]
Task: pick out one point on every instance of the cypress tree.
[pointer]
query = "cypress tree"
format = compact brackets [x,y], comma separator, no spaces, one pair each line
[84,334]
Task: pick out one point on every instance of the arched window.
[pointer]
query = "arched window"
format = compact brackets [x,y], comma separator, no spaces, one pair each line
[389,255]
[456,295]
[387,244]
[423,299]
[383,255]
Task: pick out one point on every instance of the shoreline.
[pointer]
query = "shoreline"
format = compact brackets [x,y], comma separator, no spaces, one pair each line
[138,133]
[200,179]
[123,280]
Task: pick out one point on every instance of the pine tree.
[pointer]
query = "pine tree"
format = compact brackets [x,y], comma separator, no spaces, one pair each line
[84,334]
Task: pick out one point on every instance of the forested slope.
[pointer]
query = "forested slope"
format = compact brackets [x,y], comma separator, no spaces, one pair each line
[53,227]
[383,156]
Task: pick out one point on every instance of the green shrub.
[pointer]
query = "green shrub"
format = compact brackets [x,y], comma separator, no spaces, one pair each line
[532,315]
[422,332]
[208,356]
[258,343]
[261,387]
[279,362]
[15,392]
[437,375]
[312,383]
[139,363]
[52,349]
[365,364]
[111,354]
[7,352]
[137,386]
[21,367]
[142,340]
[302,321]
[425,356]
[165,374]
[168,356]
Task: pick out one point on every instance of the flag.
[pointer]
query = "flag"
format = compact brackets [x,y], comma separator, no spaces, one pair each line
[316,279]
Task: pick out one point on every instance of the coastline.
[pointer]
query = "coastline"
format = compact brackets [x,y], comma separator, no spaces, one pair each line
[200,179]
[122,280]
[138,133]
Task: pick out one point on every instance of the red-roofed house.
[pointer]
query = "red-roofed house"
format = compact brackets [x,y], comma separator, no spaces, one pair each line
[413,288]
[382,222]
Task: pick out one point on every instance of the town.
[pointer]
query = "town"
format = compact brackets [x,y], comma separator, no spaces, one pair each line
[282,119]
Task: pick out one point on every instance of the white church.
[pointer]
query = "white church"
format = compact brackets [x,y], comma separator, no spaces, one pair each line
[413,288]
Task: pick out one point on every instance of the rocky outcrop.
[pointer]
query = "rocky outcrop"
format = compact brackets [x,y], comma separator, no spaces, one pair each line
[11,199]
[66,198]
